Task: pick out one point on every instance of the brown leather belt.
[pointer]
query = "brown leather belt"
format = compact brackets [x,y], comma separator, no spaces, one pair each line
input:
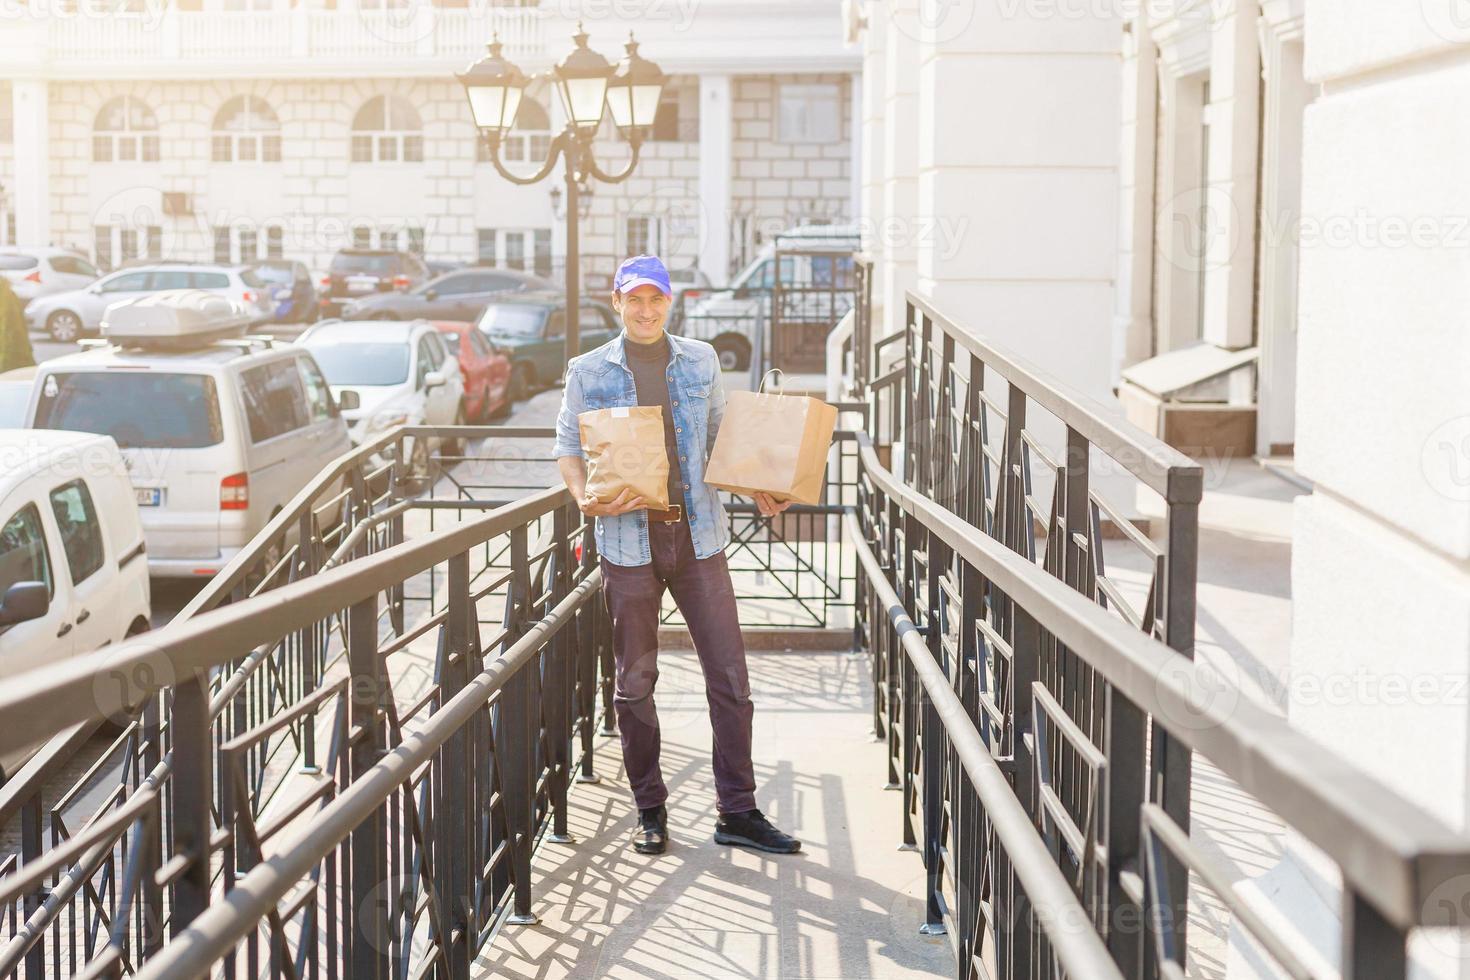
[673,515]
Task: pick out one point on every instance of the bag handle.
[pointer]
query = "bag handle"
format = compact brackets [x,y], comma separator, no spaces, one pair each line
[762,388]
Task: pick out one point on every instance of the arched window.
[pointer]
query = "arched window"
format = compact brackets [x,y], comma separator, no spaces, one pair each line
[125,130]
[387,129]
[246,130]
[529,141]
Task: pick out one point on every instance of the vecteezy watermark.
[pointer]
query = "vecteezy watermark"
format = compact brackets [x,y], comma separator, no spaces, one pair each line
[400,21]
[930,21]
[148,13]
[1450,19]
[1209,11]
[1446,912]
[1196,694]
[1445,459]
[680,13]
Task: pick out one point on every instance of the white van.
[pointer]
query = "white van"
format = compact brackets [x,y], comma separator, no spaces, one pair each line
[73,575]
[219,434]
[820,278]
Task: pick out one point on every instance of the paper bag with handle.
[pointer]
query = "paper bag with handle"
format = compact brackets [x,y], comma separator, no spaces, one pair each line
[772,443]
[625,450]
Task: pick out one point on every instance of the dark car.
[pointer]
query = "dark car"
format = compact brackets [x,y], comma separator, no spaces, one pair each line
[485,369]
[460,295]
[289,291]
[530,329]
[358,272]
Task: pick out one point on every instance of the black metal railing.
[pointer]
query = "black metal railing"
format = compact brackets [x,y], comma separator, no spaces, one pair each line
[462,776]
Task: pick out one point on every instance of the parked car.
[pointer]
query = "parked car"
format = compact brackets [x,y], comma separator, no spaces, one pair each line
[69,315]
[397,373]
[822,290]
[358,272]
[218,434]
[290,290]
[72,573]
[35,272]
[438,267]
[688,283]
[456,296]
[15,396]
[530,328]
[485,369]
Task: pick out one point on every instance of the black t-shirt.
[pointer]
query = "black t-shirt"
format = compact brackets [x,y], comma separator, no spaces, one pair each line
[650,364]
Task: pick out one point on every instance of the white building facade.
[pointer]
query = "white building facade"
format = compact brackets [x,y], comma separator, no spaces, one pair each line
[231,131]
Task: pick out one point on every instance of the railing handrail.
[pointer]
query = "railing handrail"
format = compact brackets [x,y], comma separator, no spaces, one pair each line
[1050,894]
[1394,853]
[254,896]
[1166,470]
[73,690]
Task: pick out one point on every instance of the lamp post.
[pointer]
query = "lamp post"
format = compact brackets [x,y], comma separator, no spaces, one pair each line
[587,85]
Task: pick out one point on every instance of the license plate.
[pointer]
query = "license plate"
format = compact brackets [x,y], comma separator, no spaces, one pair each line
[361,285]
[149,496]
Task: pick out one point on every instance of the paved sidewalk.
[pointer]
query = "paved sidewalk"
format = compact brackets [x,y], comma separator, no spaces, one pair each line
[848,907]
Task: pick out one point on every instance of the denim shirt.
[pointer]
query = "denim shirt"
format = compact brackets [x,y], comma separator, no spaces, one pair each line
[602,379]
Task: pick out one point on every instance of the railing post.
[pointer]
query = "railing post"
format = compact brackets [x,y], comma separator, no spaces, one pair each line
[309,652]
[454,817]
[1372,949]
[518,737]
[371,893]
[150,731]
[30,852]
[592,638]
[932,754]
[191,796]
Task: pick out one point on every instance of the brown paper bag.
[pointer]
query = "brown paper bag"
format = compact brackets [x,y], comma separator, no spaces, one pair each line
[625,449]
[772,443]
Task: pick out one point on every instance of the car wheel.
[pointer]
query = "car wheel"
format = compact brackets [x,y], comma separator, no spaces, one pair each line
[64,326]
[483,415]
[520,382]
[734,354]
[502,410]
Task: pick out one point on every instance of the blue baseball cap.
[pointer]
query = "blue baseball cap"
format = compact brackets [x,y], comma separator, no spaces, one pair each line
[642,270]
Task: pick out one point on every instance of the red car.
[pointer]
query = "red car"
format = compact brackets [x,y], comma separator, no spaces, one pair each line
[486,372]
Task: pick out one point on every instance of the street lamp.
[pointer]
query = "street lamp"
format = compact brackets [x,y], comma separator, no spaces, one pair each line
[587,86]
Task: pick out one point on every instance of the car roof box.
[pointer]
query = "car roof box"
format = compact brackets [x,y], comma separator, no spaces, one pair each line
[175,319]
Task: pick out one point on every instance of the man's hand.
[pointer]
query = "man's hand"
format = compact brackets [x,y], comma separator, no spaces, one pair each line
[621,504]
[768,505]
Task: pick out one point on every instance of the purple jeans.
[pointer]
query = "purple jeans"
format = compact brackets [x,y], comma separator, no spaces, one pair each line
[702,590]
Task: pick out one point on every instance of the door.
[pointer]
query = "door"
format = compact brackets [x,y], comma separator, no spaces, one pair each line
[325,431]
[276,420]
[72,272]
[25,556]
[549,356]
[93,600]
[440,402]
[596,327]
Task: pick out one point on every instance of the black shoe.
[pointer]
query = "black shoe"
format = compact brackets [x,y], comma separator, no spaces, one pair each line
[652,833]
[751,829]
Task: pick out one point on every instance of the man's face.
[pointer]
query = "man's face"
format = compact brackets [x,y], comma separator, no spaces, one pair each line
[643,311]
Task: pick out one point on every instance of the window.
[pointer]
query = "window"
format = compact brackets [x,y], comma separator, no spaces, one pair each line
[102,245]
[81,535]
[456,285]
[23,555]
[208,280]
[807,114]
[168,279]
[127,239]
[530,140]
[140,410]
[133,282]
[362,237]
[354,363]
[222,246]
[126,130]
[275,401]
[72,266]
[246,130]
[318,396]
[590,320]
[387,129]
[7,119]
[274,242]
[416,241]
[477,343]
[677,117]
[427,362]
[641,235]
[543,252]
[515,250]
[485,245]
[556,325]
[154,236]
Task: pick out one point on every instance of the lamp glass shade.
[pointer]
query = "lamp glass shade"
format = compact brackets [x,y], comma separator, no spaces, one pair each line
[645,99]
[620,105]
[494,106]
[583,99]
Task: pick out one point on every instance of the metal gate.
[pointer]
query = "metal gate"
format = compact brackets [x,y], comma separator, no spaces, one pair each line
[813,290]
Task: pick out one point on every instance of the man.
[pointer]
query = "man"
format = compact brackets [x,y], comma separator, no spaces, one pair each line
[15,341]
[682,549]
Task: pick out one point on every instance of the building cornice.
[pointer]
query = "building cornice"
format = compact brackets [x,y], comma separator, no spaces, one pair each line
[1181,32]
[1285,18]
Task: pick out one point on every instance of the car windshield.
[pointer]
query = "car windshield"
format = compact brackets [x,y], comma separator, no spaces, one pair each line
[15,263]
[139,409]
[377,264]
[14,396]
[512,320]
[362,362]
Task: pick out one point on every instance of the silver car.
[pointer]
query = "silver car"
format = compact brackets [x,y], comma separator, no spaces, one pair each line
[68,316]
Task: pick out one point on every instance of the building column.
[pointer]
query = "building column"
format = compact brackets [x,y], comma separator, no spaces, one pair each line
[715,127]
[1133,324]
[1287,95]
[31,195]
[898,272]
[874,152]
[855,141]
[1230,199]
[1380,648]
